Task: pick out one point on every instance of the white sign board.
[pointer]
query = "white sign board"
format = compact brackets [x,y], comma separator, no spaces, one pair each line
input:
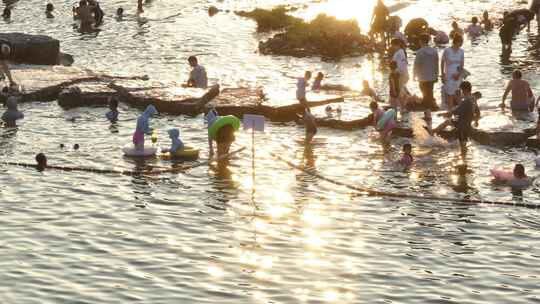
[255,122]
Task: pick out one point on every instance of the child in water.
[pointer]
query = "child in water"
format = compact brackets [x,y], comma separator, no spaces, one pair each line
[112,115]
[224,136]
[474,30]
[143,127]
[488,25]
[48,10]
[375,112]
[12,114]
[317,83]
[407,158]
[456,30]
[176,142]
[520,178]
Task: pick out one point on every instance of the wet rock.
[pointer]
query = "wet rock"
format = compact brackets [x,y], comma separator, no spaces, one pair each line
[240,101]
[86,94]
[167,98]
[33,49]
[270,20]
[324,36]
[533,142]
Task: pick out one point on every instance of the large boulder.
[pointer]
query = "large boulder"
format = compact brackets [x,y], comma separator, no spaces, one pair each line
[33,49]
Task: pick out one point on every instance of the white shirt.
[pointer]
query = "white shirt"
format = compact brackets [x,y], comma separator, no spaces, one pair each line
[301,88]
[401,60]
[198,76]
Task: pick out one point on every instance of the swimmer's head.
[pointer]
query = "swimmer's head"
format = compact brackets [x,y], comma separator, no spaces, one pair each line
[320,76]
[373,106]
[120,12]
[76,147]
[83,3]
[457,41]
[49,7]
[477,95]
[465,87]
[454,25]
[328,108]
[307,75]
[407,148]
[474,20]
[192,61]
[486,15]
[5,49]
[62,146]
[41,160]
[519,171]
[517,74]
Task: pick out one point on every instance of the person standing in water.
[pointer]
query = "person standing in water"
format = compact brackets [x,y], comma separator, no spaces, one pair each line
[452,65]
[522,96]
[5,56]
[400,58]
[426,71]
[379,21]
[197,76]
[486,22]
[309,119]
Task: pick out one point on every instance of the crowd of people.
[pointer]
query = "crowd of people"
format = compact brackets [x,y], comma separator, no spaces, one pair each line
[428,67]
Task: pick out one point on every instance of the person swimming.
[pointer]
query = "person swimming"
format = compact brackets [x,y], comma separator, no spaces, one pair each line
[119,13]
[12,113]
[143,127]
[41,161]
[176,142]
[48,10]
[112,115]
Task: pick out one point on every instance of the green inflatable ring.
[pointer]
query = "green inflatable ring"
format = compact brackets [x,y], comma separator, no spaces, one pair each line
[223,121]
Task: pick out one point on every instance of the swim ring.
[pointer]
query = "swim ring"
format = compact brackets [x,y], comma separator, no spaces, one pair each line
[222,121]
[186,152]
[387,116]
[129,150]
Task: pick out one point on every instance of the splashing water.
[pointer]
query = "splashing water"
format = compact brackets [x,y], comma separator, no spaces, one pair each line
[422,136]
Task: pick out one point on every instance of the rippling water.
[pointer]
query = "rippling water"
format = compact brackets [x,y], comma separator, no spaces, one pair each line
[212,236]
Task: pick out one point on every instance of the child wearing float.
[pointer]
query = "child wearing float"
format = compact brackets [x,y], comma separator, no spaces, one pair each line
[379,115]
[222,132]
[143,127]
[112,115]
[176,142]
